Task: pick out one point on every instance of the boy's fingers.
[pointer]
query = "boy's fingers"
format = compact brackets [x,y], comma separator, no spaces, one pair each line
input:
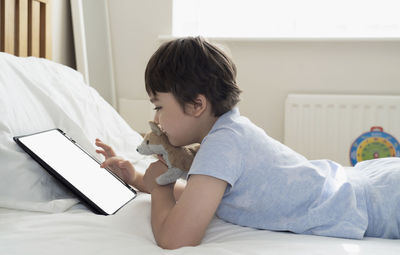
[101,144]
[105,147]
[108,149]
[160,157]
[109,162]
[101,152]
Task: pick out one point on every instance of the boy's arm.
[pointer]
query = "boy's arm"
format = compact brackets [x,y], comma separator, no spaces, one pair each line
[184,223]
[178,189]
[139,184]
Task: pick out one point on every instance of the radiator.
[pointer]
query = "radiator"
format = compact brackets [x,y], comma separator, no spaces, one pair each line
[325,126]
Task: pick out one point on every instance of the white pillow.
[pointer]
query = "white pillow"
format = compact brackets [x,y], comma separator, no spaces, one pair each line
[35,95]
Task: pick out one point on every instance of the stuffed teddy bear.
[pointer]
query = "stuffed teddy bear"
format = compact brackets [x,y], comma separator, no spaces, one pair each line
[178,159]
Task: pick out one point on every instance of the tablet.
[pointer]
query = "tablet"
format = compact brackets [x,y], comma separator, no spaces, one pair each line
[80,172]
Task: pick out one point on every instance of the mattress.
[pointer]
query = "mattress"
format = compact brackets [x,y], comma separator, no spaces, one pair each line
[79,231]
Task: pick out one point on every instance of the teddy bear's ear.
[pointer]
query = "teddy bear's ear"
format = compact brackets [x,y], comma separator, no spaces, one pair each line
[155,128]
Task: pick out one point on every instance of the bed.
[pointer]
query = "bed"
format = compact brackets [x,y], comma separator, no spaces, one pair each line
[39,216]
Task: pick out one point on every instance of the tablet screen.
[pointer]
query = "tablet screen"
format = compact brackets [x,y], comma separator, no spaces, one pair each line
[79,169]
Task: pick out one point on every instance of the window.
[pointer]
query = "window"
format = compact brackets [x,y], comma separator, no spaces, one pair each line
[287,18]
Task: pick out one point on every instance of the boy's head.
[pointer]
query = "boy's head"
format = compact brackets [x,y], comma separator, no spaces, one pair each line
[189,67]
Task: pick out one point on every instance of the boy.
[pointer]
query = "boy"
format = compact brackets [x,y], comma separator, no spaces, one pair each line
[240,173]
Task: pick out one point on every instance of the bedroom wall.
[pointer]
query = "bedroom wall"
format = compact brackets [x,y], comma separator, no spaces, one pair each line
[135,27]
[63,44]
[267,70]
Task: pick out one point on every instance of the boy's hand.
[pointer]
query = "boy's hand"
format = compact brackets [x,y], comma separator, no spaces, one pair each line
[119,166]
[155,169]
[107,151]
[160,157]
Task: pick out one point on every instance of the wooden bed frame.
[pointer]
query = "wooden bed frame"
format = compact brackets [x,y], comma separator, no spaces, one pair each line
[25,27]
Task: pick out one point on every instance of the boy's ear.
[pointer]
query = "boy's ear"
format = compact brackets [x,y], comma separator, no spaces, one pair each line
[198,106]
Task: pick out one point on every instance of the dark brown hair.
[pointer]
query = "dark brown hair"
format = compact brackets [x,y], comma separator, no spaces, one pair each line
[188,67]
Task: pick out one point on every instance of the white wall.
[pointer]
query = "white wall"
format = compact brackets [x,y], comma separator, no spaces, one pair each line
[93,38]
[135,27]
[267,70]
[97,39]
[63,44]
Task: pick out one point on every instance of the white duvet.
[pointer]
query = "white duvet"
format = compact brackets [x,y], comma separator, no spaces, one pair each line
[39,216]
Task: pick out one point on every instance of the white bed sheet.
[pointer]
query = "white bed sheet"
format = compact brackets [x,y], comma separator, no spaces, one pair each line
[78,231]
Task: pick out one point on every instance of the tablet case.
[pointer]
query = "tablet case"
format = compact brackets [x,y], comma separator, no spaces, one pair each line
[95,208]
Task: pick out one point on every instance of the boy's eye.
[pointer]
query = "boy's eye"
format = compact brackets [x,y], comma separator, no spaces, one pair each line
[157,108]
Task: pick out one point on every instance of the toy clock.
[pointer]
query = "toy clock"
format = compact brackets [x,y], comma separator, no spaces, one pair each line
[374,144]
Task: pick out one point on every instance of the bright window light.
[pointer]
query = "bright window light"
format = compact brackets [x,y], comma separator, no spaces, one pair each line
[287,18]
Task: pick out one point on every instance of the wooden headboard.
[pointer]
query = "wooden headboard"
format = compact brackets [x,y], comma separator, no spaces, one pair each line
[25,27]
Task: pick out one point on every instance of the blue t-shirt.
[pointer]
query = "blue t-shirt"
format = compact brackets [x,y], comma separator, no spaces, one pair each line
[272,187]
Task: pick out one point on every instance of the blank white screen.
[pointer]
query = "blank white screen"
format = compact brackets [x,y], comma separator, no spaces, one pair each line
[79,169]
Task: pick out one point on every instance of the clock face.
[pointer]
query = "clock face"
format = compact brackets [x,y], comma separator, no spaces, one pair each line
[372,145]
[375,147]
